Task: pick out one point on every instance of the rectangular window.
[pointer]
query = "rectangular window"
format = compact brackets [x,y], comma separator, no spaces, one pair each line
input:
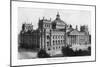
[45,25]
[48,44]
[53,37]
[49,49]
[54,48]
[53,42]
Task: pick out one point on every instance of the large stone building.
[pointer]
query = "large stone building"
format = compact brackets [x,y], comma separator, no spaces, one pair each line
[29,38]
[53,35]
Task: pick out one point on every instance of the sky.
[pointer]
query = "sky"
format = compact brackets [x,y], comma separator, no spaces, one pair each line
[74,17]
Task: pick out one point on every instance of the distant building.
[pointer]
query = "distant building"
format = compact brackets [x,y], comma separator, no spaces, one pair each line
[53,35]
[75,37]
[28,37]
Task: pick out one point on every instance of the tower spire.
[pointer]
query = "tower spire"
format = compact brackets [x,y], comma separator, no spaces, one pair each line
[57,16]
[76,27]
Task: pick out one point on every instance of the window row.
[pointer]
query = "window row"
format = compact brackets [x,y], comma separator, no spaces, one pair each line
[55,48]
[58,36]
[55,42]
[47,25]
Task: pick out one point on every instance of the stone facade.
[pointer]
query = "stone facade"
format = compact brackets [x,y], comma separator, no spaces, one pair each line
[53,35]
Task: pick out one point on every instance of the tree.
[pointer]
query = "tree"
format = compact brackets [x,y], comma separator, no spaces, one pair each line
[67,51]
[43,54]
[89,48]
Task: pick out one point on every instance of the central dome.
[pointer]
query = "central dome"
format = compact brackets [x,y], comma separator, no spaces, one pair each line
[58,23]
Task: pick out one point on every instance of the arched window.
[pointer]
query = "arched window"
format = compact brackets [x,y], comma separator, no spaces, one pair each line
[53,42]
[49,26]
[63,41]
[45,25]
[56,41]
[54,25]
[48,37]
[59,46]
[48,44]
[53,36]
[62,36]
[49,49]
[56,36]
[59,41]
[54,48]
